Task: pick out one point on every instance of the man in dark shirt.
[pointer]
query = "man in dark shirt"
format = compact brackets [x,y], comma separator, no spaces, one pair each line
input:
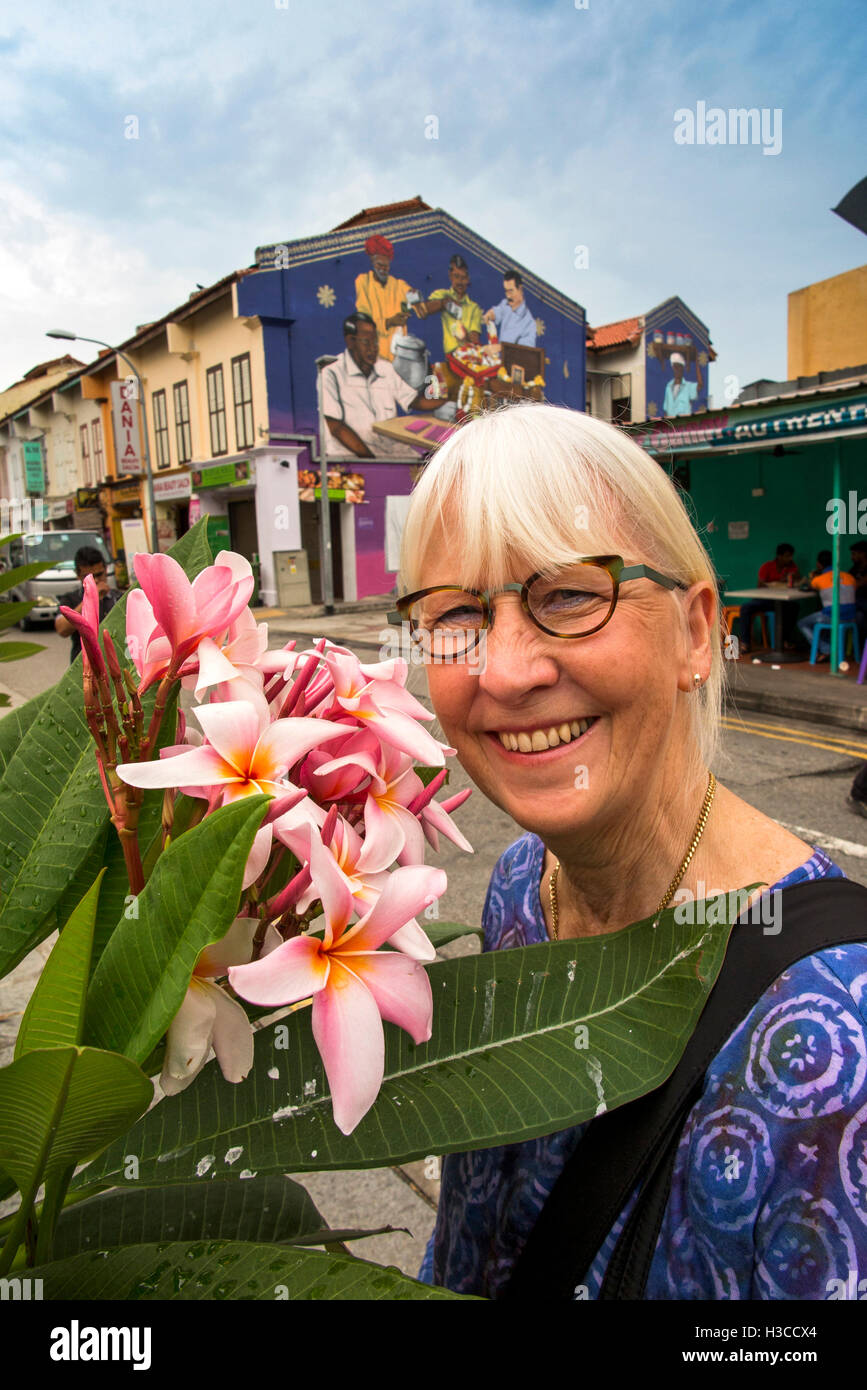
[88,560]
[772,574]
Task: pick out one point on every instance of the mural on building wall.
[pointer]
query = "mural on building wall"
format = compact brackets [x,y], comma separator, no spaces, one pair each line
[361,388]
[390,367]
[677,365]
[379,337]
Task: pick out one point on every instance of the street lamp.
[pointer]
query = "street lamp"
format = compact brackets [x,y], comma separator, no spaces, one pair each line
[79,338]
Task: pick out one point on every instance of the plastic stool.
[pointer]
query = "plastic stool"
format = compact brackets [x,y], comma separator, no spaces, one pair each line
[844,629]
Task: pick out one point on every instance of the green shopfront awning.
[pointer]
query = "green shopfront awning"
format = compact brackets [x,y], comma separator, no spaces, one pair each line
[727,430]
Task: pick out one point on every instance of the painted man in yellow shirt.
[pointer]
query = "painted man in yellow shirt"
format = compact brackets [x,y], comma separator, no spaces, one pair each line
[381,295]
[456,308]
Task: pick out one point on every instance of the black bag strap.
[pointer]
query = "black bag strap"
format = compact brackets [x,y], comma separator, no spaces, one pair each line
[638,1141]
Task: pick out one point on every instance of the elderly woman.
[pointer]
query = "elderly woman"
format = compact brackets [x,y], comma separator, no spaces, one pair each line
[571,617]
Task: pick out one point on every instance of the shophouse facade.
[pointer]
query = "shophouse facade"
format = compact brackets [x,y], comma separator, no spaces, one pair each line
[238,397]
[631,365]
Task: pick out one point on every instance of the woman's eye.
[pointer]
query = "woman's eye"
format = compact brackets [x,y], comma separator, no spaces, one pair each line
[567,598]
[458,616]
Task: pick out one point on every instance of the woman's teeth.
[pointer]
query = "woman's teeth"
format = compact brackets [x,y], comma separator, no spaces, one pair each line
[537,740]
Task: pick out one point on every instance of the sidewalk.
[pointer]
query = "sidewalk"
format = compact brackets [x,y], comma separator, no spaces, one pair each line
[796,691]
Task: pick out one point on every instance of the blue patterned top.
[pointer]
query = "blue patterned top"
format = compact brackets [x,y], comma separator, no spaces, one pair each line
[769,1190]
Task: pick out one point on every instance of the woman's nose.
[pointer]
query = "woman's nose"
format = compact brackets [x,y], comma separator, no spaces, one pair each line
[515,655]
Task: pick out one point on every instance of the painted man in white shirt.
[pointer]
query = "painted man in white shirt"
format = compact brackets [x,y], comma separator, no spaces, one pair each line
[680,393]
[361,387]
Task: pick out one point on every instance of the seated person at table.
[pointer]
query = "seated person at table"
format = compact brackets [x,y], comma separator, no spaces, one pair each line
[772,574]
[858,570]
[822,579]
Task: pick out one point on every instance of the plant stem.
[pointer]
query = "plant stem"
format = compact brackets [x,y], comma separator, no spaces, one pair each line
[55,1191]
[159,710]
[15,1236]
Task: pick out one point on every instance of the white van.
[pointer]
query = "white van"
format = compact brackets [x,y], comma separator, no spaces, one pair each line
[58,549]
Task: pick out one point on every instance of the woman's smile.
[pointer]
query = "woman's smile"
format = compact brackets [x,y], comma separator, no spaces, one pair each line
[541,742]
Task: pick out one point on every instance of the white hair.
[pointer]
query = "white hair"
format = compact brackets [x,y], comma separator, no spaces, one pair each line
[538,485]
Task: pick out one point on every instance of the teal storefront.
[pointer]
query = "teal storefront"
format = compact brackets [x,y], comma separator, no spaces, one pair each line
[782,469]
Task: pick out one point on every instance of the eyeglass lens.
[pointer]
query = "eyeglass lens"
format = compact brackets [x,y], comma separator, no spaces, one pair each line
[575,601]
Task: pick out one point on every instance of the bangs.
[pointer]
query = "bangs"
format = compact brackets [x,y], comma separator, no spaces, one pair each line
[525,489]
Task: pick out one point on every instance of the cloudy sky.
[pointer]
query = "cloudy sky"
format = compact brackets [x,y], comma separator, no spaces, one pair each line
[267,120]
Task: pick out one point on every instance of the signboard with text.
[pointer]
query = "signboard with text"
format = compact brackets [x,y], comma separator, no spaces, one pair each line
[34,466]
[724,430]
[135,541]
[221,475]
[127,432]
[172,489]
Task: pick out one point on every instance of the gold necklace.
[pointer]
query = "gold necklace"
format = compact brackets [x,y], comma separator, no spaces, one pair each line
[670,891]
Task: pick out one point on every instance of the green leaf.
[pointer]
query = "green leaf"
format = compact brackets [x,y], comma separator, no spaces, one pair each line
[61,1105]
[54,1017]
[14,725]
[17,651]
[525,1042]
[190,900]
[57,1108]
[193,551]
[10,579]
[427,774]
[52,808]
[258,1209]
[12,613]
[226,1269]
[441,933]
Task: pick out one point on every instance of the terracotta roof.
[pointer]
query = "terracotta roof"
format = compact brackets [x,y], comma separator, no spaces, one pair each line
[55,365]
[384,213]
[619,334]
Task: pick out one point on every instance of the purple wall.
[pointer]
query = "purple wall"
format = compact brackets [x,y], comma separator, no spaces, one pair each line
[381,480]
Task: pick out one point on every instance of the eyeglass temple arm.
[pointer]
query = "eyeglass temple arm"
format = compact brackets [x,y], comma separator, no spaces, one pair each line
[645,572]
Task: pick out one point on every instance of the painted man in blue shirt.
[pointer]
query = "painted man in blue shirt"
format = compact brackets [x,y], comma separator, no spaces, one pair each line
[511,317]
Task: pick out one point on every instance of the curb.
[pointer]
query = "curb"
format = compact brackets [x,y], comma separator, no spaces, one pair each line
[794,707]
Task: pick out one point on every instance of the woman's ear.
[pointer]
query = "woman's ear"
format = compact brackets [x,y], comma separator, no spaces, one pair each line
[701,613]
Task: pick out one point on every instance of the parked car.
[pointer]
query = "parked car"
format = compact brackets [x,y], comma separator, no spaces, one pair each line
[58,549]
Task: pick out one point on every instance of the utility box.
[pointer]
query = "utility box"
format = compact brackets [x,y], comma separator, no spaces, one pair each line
[293,578]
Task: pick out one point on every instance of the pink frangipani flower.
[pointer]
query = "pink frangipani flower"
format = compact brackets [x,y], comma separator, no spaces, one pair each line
[376,697]
[209,1017]
[184,613]
[244,754]
[87,624]
[354,985]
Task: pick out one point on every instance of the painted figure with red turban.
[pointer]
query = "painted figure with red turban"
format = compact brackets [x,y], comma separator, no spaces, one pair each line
[381,295]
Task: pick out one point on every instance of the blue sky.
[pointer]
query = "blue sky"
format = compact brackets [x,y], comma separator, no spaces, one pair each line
[267,120]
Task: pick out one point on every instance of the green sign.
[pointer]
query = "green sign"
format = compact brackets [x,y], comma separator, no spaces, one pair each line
[222,475]
[722,430]
[34,468]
